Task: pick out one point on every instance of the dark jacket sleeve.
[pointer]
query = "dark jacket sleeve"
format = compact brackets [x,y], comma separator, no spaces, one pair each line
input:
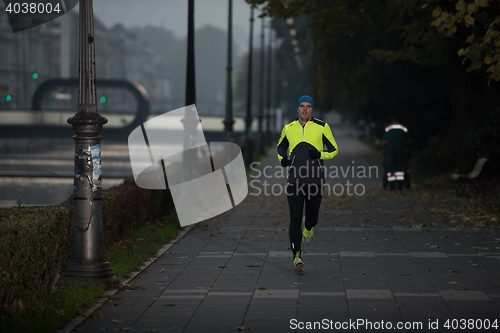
[283,146]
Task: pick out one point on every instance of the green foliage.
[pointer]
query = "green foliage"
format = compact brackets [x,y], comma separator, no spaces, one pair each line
[485,140]
[127,255]
[476,24]
[436,159]
[127,205]
[35,243]
[420,79]
[56,307]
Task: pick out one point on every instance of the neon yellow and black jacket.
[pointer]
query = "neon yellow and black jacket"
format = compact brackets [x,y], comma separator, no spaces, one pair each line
[314,135]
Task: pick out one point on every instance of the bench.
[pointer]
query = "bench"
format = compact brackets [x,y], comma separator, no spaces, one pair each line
[474,173]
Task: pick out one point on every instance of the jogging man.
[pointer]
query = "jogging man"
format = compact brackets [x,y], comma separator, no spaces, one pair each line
[309,141]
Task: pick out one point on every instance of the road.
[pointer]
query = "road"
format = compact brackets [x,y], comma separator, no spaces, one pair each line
[39,171]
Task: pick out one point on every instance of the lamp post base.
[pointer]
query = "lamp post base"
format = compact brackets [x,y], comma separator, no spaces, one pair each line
[90,272]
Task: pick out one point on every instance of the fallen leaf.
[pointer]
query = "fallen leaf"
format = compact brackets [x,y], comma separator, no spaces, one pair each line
[96,314]
[242,328]
[117,321]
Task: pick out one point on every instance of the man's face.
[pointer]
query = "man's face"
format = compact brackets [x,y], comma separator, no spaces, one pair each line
[305,110]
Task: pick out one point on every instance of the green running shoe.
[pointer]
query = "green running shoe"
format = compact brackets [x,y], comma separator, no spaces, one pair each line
[298,264]
[306,234]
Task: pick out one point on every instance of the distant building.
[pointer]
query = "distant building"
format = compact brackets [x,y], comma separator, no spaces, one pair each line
[28,58]
[51,50]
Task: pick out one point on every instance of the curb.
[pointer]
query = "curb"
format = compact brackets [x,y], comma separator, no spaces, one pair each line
[80,318]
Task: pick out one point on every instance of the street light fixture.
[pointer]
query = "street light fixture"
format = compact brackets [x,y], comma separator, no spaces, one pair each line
[87,261]
[269,85]
[248,119]
[229,121]
[261,102]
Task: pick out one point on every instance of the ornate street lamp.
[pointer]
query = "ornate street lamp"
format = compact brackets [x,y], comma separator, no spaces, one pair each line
[87,261]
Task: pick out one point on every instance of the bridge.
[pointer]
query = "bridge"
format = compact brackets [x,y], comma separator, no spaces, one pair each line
[37,149]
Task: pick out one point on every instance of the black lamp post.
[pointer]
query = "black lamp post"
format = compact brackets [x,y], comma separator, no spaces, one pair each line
[261,102]
[87,261]
[229,121]
[190,120]
[269,87]
[190,72]
[248,119]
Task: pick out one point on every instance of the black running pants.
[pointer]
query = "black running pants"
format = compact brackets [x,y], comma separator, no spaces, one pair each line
[298,194]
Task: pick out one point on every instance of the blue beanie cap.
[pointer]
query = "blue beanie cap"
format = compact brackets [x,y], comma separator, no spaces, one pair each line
[307,99]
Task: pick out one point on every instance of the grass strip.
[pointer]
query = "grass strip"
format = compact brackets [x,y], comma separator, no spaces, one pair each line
[127,256]
[59,306]
[55,309]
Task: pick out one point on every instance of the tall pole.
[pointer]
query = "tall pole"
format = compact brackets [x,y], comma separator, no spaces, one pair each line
[87,261]
[190,120]
[269,87]
[261,102]
[248,119]
[190,72]
[228,121]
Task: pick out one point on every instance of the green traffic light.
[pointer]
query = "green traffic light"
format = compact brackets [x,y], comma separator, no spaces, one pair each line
[103,99]
[35,76]
[9,97]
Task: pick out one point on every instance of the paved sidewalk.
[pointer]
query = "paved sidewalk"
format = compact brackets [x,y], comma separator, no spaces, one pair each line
[383,257]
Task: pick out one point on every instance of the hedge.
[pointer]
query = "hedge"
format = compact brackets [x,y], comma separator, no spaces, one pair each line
[35,242]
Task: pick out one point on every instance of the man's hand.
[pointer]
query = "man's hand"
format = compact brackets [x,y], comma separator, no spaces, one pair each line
[285,162]
[314,154]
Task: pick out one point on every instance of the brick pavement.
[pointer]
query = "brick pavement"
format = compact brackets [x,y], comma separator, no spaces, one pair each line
[383,256]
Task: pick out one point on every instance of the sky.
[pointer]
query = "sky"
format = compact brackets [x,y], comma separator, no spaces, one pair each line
[172,15]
